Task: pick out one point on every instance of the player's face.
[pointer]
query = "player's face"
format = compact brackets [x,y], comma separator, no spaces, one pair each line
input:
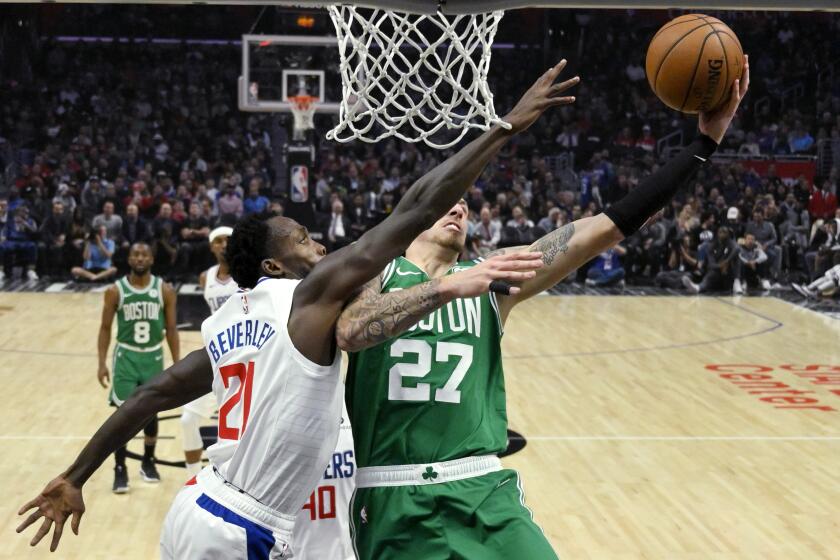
[297,252]
[218,248]
[140,258]
[451,230]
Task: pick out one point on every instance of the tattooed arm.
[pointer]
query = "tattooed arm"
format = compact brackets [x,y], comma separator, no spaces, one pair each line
[373,317]
[564,249]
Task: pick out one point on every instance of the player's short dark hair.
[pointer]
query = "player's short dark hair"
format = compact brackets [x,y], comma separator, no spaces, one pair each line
[247,247]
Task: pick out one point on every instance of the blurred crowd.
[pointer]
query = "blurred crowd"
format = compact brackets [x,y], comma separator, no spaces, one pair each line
[116,143]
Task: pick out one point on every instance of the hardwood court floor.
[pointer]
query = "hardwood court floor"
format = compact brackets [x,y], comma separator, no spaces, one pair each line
[636,447]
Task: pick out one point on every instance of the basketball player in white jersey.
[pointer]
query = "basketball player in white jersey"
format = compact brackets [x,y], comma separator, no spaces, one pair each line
[271,358]
[322,527]
[218,286]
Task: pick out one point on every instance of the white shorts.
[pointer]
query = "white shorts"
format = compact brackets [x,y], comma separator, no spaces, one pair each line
[204,406]
[200,526]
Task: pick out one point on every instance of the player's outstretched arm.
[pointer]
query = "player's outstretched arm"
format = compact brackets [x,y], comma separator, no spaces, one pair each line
[185,381]
[340,275]
[373,316]
[574,244]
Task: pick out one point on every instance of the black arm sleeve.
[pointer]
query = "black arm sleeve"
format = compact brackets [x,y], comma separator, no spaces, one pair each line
[632,211]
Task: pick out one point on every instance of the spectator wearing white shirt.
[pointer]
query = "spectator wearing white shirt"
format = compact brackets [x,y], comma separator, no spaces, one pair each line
[488,232]
[751,269]
[339,227]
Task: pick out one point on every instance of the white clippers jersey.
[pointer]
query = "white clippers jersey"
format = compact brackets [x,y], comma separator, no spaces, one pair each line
[279,413]
[322,528]
[216,292]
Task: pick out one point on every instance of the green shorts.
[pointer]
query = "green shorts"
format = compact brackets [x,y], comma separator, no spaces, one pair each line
[478,518]
[132,369]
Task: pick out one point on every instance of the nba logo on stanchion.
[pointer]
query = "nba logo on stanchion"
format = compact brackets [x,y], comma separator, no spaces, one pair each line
[300,183]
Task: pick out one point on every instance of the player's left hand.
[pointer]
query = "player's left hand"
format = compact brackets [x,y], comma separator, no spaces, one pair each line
[510,267]
[542,95]
[714,124]
[56,503]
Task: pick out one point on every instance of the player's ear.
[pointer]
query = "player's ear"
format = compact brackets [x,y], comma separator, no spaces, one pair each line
[272,268]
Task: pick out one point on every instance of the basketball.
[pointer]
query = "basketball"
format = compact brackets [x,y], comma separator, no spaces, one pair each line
[692,62]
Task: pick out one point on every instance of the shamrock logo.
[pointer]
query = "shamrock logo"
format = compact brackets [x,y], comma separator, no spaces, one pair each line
[430,474]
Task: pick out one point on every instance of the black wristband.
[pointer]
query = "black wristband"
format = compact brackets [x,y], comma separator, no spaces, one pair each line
[706,146]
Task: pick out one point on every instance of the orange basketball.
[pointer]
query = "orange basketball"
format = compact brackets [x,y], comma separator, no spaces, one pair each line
[692,61]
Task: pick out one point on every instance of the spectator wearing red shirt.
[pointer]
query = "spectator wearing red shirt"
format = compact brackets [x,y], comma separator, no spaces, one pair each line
[626,138]
[823,202]
[647,142]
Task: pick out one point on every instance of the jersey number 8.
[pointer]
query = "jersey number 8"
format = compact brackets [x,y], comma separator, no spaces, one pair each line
[142,332]
[422,391]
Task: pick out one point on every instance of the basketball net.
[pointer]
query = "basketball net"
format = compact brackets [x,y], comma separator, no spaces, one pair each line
[412,76]
[303,112]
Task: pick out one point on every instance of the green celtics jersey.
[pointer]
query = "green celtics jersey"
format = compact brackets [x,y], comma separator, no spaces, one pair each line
[436,392]
[140,317]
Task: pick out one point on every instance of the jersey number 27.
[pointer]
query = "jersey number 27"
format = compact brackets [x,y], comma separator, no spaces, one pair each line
[443,351]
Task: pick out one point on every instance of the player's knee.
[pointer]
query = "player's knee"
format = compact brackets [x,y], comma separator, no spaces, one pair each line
[190,425]
[190,420]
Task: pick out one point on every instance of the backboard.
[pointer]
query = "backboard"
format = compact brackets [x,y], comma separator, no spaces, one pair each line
[276,67]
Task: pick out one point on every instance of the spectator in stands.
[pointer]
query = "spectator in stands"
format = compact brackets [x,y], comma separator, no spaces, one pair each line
[53,244]
[134,228]
[488,232]
[339,229]
[20,246]
[193,252]
[552,221]
[751,270]
[794,230]
[519,229]
[64,196]
[92,198]
[255,203]
[164,244]
[719,265]
[356,217]
[606,269]
[733,222]
[823,201]
[230,205]
[683,261]
[822,250]
[112,222]
[97,255]
[626,140]
[646,142]
[800,140]
[765,234]
[645,251]
[751,146]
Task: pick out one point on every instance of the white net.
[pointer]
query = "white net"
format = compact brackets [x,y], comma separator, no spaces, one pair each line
[415,77]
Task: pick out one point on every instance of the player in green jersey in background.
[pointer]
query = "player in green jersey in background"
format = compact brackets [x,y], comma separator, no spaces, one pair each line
[145,308]
[427,404]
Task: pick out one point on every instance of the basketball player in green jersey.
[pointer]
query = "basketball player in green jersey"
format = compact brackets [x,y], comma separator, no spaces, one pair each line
[427,405]
[144,306]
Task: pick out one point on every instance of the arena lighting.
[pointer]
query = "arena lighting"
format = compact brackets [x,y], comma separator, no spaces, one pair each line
[306,21]
[473,6]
